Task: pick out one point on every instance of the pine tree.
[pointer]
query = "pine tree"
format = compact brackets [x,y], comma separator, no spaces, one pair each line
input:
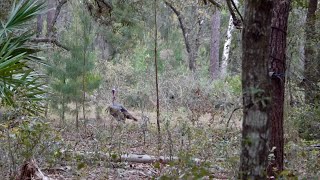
[77,78]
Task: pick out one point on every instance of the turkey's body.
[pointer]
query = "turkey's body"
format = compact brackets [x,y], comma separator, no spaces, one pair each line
[119,112]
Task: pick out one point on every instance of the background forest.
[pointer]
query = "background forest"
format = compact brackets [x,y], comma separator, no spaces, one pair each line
[178,66]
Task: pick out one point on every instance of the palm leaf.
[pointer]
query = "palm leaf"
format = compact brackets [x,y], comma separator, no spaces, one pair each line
[21,13]
[18,82]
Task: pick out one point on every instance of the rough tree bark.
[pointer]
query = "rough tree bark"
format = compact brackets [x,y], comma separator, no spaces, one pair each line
[215,45]
[311,67]
[278,42]
[255,87]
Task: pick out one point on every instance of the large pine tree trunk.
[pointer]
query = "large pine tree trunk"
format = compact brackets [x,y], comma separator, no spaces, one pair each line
[311,66]
[255,86]
[215,45]
[278,66]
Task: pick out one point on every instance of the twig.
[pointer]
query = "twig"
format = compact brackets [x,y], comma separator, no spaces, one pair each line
[236,22]
[234,110]
[56,14]
[182,23]
[215,3]
[49,40]
[156,70]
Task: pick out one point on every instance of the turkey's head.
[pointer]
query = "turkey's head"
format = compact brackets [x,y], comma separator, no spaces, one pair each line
[113,95]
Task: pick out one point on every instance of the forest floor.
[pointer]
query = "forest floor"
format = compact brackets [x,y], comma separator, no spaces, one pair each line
[106,149]
[88,150]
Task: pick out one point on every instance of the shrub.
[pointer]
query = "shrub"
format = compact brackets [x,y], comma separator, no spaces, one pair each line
[307,121]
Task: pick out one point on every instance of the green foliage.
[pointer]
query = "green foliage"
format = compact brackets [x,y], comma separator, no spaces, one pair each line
[20,82]
[307,121]
[301,154]
[72,73]
[22,12]
[60,88]
[142,58]
[26,138]
[121,73]
[29,136]
[174,42]
[228,87]
[125,28]
[300,4]
[185,168]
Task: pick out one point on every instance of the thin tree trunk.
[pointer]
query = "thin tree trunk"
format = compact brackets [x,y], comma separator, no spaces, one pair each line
[39,25]
[50,16]
[255,87]
[77,116]
[311,67]
[215,45]
[226,47]
[54,16]
[102,45]
[84,86]
[156,71]
[278,42]
[63,110]
[63,105]
[192,45]
[84,78]
[194,50]
[191,57]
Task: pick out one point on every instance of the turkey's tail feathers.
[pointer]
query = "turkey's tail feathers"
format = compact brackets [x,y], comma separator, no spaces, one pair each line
[129,116]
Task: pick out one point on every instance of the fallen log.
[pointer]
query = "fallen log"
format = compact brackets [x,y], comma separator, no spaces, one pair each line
[138,158]
[135,158]
[144,158]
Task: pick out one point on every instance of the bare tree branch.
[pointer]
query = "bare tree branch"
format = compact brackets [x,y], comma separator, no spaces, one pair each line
[57,12]
[182,25]
[215,3]
[191,33]
[235,7]
[48,40]
[236,22]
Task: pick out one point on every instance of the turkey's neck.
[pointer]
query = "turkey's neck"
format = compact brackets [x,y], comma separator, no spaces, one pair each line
[113,99]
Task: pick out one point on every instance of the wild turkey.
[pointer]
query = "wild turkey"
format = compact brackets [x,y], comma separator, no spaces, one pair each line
[118,111]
